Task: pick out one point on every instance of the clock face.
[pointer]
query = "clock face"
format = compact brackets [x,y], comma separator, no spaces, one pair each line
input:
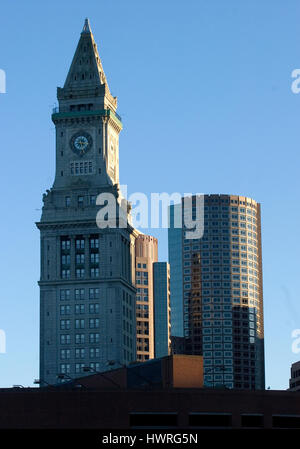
[81,142]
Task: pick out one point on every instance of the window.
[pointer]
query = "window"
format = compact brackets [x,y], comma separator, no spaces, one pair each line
[286,421]
[64,324]
[94,293]
[95,366]
[94,353]
[79,309]
[79,259]
[210,420]
[95,258]
[65,273]
[79,324]
[94,272]
[65,244]
[64,295]
[79,353]
[92,200]
[79,294]
[94,323]
[65,339]
[153,419]
[65,310]
[79,273]
[81,168]
[79,367]
[80,201]
[80,242]
[94,243]
[67,201]
[65,354]
[94,308]
[79,339]
[65,259]
[94,338]
[65,368]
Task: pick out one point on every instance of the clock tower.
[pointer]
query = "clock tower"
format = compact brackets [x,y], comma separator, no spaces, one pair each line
[87,293]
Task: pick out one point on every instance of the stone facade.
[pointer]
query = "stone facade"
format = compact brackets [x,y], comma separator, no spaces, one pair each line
[146,253]
[87,283]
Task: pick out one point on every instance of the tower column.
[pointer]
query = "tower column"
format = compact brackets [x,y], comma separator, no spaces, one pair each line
[86,255]
[72,256]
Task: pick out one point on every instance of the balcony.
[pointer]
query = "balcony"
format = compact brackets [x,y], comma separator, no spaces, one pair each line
[58,113]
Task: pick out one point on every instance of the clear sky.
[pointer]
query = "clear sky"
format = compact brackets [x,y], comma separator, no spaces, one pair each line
[204,91]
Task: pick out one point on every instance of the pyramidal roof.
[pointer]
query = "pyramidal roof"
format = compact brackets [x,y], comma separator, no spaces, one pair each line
[86,70]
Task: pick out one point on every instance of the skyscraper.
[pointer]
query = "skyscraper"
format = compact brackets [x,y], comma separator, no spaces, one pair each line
[162,311]
[146,253]
[216,291]
[87,283]
[294,382]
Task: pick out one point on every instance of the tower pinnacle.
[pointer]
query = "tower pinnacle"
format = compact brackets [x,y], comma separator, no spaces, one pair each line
[86,70]
[86,26]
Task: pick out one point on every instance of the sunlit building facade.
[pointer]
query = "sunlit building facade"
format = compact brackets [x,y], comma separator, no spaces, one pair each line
[146,253]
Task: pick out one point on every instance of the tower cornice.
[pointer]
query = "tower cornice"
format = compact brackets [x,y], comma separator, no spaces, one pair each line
[84,115]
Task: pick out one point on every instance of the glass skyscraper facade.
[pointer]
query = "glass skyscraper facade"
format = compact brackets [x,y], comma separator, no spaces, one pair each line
[175,244]
[216,291]
[162,322]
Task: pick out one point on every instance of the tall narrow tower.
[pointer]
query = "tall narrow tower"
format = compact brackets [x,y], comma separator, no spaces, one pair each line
[87,293]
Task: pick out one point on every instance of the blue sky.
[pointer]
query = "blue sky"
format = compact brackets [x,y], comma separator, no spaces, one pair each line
[204,91]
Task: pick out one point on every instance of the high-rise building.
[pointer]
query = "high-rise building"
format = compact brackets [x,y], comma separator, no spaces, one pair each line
[87,284]
[162,310]
[217,290]
[146,253]
[294,383]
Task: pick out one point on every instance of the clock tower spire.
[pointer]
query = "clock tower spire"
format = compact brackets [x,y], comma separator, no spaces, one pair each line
[87,125]
[86,69]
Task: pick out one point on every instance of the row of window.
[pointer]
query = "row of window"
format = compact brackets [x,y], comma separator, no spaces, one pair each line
[142,281]
[79,259]
[79,243]
[208,260]
[80,339]
[217,221]
[233,270]
[65,368]
[242,263]
[251,247]
[204,244]
[226,213]
[142,298]
[93,323]
[142,265]
[223,284]
[79,293]
[225,238]
[81,168]
[233,208]
[79,309]
[80,353]
[80,273]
